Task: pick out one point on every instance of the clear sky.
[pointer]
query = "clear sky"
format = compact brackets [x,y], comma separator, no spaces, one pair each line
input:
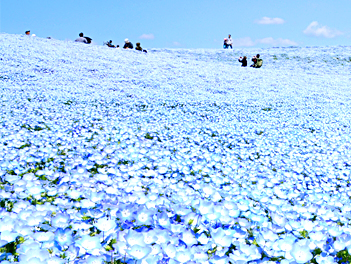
[184,23]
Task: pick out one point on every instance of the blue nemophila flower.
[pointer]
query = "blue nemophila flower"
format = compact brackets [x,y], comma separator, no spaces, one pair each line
[301,251]
[55,260]
[138,251]
[203,239]
[251,251]
[72,253]
[183,256]
[74,194]
[8,236]
[285,244]
[169,249]
[335,230]
[238,257]
[278,219]
[163,236]
[269,235]
[163,220]
[151,259]
[342,242]
[121,247]
[199,254]
[325,259]
[220,237]
[3,242]
[64,237]
[205,207]
[6,224]
[150,237]
[97,196]
[95,260]
[189,238]
[134,238]
[90,244]
[61,220]
[38,255]
[43,236]
[126,212]
[105,224]
[219,260]
[144,217]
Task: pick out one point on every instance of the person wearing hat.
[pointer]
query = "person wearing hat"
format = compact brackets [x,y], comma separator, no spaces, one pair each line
[127,44]
[28,32]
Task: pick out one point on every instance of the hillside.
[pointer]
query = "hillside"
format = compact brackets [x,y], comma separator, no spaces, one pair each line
[174,156]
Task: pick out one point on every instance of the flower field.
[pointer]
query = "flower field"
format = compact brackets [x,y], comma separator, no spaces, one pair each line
[173,156]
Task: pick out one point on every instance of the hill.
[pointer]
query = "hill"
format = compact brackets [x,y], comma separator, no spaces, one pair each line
[174,156]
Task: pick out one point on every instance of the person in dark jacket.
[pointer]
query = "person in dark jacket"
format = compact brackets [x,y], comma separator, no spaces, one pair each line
[127,44]
[243,61]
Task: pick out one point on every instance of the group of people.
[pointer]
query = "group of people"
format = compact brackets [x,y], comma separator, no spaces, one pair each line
[127,43]
[228,42]
[257,61]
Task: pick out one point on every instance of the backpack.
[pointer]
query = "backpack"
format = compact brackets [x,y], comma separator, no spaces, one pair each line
[258,63]
[88,39]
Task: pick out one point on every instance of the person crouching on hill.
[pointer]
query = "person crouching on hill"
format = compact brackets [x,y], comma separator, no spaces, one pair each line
[225,44]
[138,47]
[127,44]
[257,61]
[243,61]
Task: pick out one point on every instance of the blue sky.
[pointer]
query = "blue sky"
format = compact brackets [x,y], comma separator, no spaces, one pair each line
[184,23]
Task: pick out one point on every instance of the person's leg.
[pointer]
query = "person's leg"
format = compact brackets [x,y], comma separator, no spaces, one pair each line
[231,46]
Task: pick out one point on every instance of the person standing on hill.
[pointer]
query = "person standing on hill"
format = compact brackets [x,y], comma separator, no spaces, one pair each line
[230,41]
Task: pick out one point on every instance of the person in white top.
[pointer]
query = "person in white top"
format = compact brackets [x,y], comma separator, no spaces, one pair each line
[81,38]
[230,41]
